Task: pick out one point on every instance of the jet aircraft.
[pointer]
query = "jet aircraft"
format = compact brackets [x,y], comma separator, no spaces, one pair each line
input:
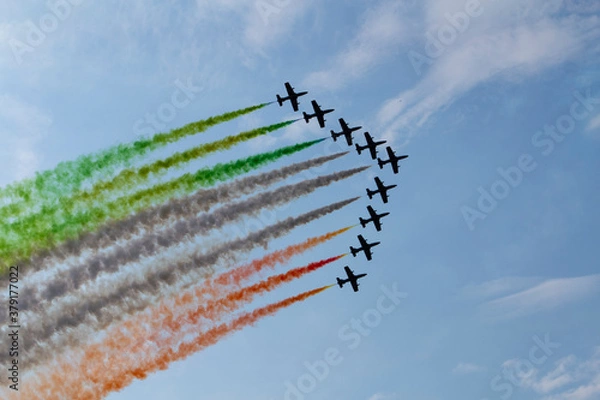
[381,189]
[320,114]
[371,145]
[392,160]
[346,131]
[352,279]
[364,247]
[374,218]
[291,96]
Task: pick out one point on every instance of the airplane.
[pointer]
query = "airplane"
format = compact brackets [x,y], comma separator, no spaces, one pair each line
[292,96]
[318,113]
[371,145]
[381,189]
[346,131]
[352,279]
[364,246]
[392,160]
[375,218]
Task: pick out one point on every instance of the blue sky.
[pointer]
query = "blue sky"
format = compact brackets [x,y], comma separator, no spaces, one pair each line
[492,267]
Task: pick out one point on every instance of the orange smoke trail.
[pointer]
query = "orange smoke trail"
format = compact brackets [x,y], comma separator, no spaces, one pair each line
[209,338]
[236,276]
[231,280]
[97,373]
[218,308]
[136,338]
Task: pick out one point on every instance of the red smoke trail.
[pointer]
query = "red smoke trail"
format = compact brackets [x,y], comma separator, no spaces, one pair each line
[233,280]
[218,308]
[236,276]
[99,371]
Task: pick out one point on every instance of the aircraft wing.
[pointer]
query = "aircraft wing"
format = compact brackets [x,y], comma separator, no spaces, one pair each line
[377,223]
[363,242]
[390,152]
[354,284]
[289,89]
[384,196]
[294,101]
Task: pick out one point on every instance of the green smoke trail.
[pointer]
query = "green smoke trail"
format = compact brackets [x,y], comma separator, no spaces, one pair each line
[66,177]
[42,234]
[128,178]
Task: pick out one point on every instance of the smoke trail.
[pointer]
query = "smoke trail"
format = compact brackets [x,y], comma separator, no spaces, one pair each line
[91,377]
[69,280]
[128,178]
[48,234]
[66,177]
[193,306]
[235,278]
[175,209]
[77,317]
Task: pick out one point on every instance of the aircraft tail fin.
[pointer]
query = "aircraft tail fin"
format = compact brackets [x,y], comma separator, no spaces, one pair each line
[370,193]
[340,282]
[334,135]
[358,149]
[279,100]
[380,162]
[306,116]
[363,222]
[353,251]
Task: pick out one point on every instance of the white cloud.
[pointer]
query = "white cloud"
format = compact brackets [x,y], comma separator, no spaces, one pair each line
[21,127]
[265,23]
[510,40]
[594,123]
[383,29]
[545,296]
[498,287]
[384,396]
[569,379]
[467,368]
[511,53]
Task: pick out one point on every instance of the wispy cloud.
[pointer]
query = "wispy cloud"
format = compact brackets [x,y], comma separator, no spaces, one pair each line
[518,41]
[467,368]
[545,296]
[569,379]
[384,396]
[498,287]
[594,124]
[383,29]
[21,127]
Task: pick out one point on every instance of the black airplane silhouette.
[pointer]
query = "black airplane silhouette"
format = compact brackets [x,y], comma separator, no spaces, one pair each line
[364,247]
[346,131]
[371,145]
[352,279]
[381,189]
[320,114]
[375,218]
[291,96]
[392,160]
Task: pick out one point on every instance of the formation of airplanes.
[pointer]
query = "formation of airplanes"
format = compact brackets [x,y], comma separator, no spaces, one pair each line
[381,189]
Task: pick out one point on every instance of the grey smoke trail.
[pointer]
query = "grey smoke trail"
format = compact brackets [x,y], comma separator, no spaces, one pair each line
[89,314]
[145,220]
[67,281]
